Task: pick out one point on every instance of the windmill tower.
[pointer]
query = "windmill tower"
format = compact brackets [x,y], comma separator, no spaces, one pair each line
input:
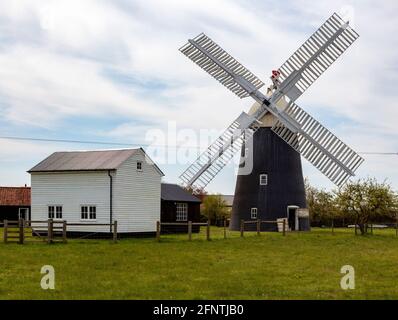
[276,131]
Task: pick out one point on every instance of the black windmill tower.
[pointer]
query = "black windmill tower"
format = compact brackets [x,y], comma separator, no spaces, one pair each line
[276,132]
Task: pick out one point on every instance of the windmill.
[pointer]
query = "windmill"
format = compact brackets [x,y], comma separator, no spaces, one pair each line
[279,131]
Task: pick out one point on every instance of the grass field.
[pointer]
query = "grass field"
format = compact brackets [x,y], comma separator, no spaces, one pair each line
[298,266]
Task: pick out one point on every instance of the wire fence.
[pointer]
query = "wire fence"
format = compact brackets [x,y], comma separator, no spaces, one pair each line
[370,228]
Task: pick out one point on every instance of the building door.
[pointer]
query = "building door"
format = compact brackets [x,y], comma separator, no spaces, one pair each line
[292,218]
[23,213]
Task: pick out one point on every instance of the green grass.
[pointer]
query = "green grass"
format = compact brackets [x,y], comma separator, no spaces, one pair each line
[298,266]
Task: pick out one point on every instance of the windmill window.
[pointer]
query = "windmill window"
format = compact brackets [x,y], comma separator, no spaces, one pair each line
[181,211]
[253,213]
[139,165]
[263,179]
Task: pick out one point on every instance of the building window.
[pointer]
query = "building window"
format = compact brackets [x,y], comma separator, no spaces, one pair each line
[263,179]
[182,211]
[139,165]
[253,213]
[58,212]
[51,212]
[54,212]
[88,212]
[93,213]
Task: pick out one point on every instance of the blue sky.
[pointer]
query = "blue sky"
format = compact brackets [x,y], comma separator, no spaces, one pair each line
[111,71]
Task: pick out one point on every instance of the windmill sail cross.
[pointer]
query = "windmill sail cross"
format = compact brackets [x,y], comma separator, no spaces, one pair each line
[296,127]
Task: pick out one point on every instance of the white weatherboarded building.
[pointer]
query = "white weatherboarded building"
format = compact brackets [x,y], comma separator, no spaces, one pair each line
[98,187]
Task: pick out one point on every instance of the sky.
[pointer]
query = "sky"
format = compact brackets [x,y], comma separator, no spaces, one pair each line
[111,71]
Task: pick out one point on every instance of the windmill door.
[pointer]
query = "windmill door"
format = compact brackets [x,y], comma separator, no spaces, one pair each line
[292,217]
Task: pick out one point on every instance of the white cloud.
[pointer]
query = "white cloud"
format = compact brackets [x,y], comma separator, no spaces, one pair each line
[55,57]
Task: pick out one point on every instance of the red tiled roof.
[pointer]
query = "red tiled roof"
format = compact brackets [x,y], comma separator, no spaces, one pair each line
[14,196]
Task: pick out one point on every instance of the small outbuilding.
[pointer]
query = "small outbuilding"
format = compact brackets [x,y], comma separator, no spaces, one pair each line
[178,205]
[14,203]
[98,187]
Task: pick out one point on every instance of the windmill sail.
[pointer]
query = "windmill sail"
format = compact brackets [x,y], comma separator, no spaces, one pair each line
[315,56]
[219,64]
[219,153]
[319,146]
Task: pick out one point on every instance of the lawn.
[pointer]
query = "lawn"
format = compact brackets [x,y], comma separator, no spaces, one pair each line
[270,266]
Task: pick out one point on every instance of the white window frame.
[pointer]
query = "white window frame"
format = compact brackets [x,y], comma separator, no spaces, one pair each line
[88,206]
[139,164]
[263,179]
[52,216]
[23,213]
[55,211]
[253,213]
[181,211]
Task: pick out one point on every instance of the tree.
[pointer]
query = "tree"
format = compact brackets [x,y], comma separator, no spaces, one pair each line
[215,208]
[321,204]
[365,200]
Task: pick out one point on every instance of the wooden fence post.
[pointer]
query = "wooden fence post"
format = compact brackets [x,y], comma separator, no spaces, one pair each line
[258,226]
[21,223]
[396,227]
[208,230]
[190,230]
[115,231]
[356,231]
[242,227]
[5,230]
[225,228]
[64,231]
[371,228]
[284,227]
[333,226]
[50,231]
[158,231]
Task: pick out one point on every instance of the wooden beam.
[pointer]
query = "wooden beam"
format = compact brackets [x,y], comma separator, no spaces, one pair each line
[21,231]
[50,231]
[5,230]
[284,227]
[115,231]
[158,231]
[190,230]
[258,226]
[208,230]
[64,232]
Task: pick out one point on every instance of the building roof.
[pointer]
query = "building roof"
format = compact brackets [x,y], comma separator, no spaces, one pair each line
[86,160]
[174,192]
[15,196]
